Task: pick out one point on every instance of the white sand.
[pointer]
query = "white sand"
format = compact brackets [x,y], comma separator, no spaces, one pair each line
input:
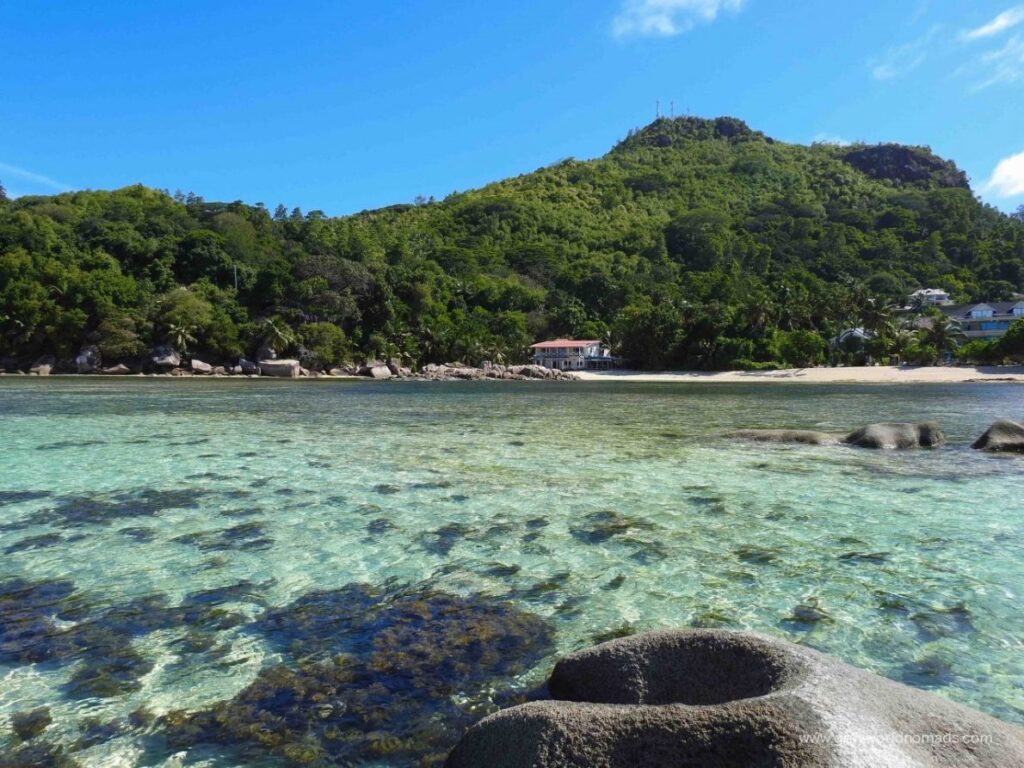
[852,375]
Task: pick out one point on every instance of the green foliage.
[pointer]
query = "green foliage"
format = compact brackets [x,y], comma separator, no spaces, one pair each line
[694,244]
[1012,344]
[980,351]
[326,343]
[801,349]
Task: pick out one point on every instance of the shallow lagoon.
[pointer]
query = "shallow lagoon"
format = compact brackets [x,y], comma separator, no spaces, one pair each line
[173,545]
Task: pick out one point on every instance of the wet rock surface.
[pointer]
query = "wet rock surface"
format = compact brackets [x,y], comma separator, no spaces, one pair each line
[1004,436]
[717,698]
[897,436]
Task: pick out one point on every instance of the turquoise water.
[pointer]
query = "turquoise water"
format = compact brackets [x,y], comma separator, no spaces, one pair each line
[218,546]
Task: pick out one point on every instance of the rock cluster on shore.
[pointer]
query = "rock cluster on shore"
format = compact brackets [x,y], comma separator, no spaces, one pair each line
[166,361]
[719,698]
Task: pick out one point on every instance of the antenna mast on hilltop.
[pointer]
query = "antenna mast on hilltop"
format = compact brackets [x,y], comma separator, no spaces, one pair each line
[672,110]
[657,109]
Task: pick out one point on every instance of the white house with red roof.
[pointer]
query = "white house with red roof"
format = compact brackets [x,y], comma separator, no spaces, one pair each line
[573,355]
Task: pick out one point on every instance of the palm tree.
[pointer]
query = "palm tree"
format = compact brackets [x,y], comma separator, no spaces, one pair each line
[276,335]
[900,342]
[942,333]
[181,336]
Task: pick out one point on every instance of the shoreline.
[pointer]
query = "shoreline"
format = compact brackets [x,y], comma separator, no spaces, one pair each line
[850,375]
[846,375]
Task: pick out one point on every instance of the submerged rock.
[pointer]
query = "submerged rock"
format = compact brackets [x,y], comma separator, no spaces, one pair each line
[370,677]
[718,698]
[1002,437]
[28,725]
[893,435]
[51,622]
[801,436]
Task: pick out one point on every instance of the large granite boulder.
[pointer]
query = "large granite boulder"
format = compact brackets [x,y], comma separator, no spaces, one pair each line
[248,367]
[198,366]
[1004,436]
[533,371]
[165,358]
[43,366]
[116,370]
[716,698]
[801,436]
[893,435]
[282,369]
[374,371]
[88,360]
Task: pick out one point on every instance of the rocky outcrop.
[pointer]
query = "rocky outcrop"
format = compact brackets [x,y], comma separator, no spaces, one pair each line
[116,370]
[198,366]
[801,436]
[43,366]
[88,360]
[892,436]
[374,371]
[281,369]
[906,166]
[1004,436]
[248,367]
[165,358]
[717,698]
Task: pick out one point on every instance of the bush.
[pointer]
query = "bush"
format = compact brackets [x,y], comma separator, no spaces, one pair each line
[801,349]
[327,343]
[985,352]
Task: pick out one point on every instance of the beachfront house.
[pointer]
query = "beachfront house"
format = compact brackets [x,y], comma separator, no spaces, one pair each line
[987,320]
[574,355]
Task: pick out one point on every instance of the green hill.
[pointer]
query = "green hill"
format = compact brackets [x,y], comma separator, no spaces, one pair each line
[693,243]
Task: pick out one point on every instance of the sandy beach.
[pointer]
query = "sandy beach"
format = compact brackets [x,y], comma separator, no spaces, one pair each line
[852,375]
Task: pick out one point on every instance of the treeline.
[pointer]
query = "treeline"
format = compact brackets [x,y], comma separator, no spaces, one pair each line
[693,244]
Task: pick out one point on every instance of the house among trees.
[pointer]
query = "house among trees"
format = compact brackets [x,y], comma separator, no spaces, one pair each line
[572,355]
[985,321]
[930,297]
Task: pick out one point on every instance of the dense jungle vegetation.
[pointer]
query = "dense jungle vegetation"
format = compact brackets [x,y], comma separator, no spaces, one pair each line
[692,244]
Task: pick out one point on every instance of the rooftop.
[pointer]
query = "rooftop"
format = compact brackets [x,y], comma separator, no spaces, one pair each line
[563,343]
[998,307]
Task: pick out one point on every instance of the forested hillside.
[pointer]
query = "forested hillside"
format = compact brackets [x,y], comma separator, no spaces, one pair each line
[693,243]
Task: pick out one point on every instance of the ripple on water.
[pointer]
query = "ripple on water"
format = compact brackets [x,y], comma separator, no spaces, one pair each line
[561,515]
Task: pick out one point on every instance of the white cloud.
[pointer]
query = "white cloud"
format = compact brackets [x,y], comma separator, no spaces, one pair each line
[1006,20]
[32,179]
[1003,65]
[1008,177]
[903,59]
[665,18]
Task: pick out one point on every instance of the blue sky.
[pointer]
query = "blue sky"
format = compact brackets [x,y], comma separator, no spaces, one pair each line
[341,105]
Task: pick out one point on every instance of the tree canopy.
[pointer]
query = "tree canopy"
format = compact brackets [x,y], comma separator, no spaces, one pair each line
[693,243]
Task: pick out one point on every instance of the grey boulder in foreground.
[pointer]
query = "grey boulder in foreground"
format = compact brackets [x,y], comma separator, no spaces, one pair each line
[1003,436]
[897,435]
[713,698]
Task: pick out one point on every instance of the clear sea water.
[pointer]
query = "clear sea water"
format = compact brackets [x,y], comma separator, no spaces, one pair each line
[588,509]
